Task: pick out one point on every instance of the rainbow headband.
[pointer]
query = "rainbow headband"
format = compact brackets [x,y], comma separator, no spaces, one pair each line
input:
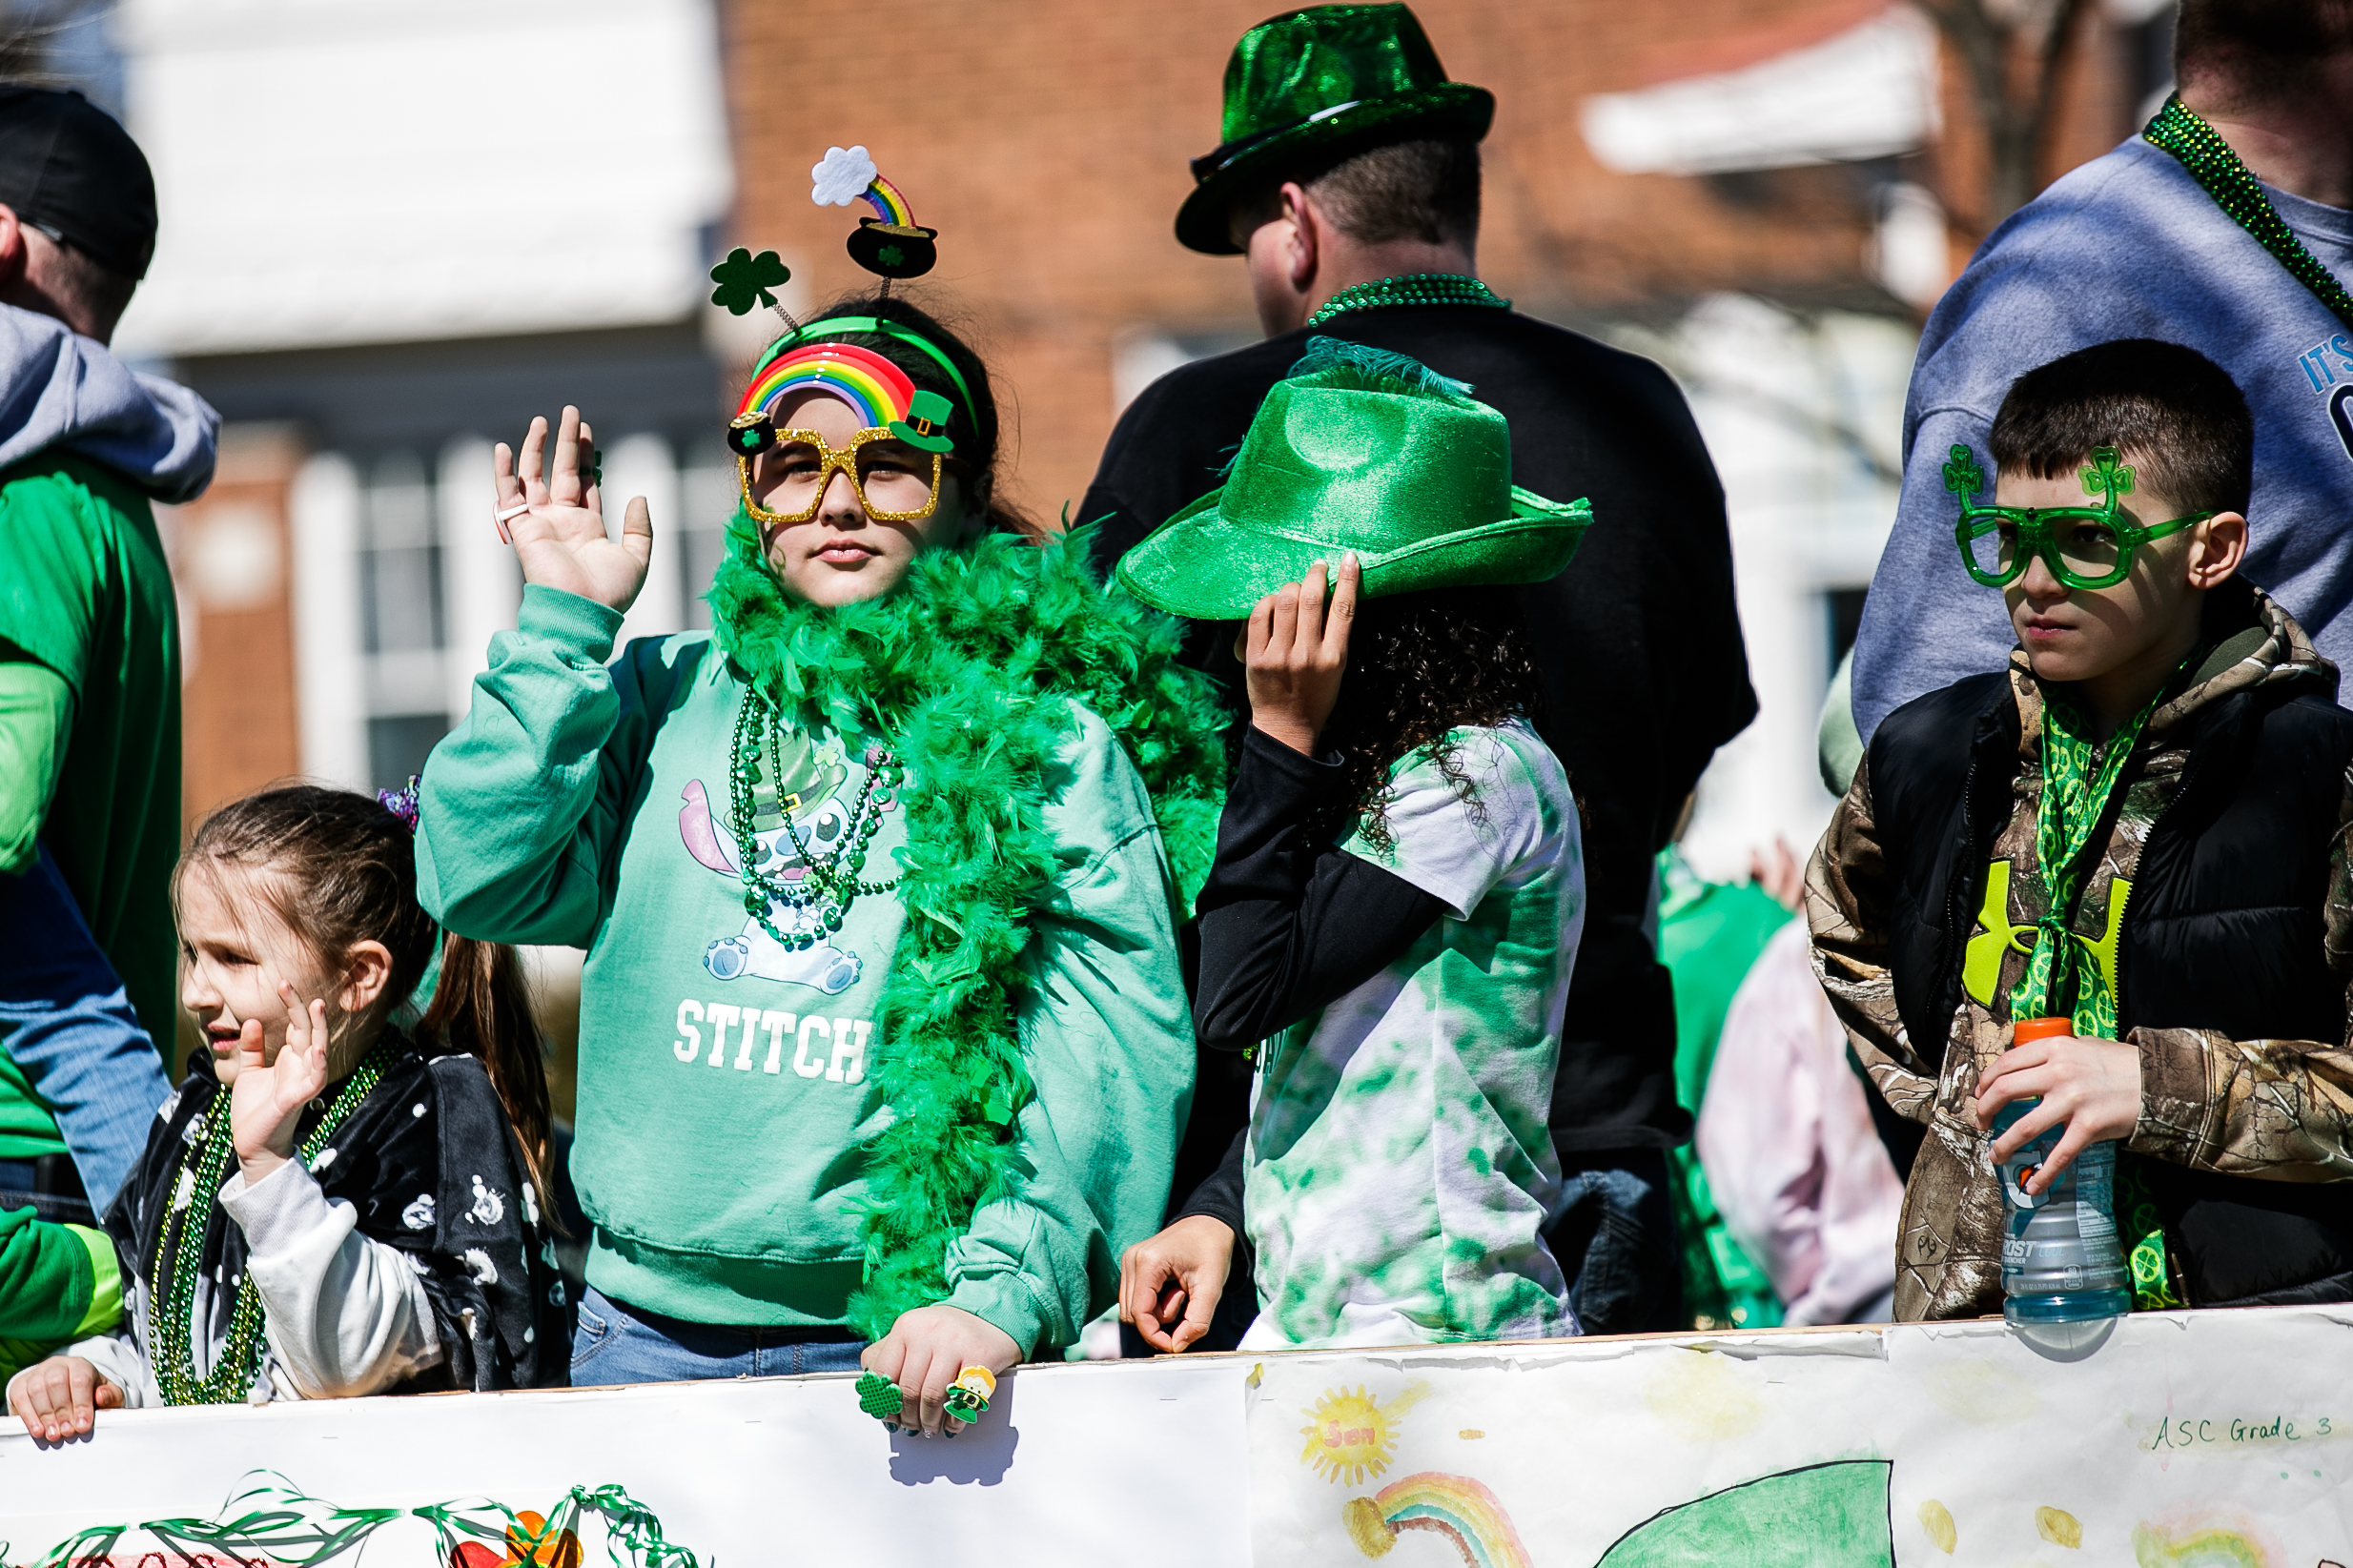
[879,389]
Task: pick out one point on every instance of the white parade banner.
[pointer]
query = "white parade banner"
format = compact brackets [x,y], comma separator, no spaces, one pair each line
[2218,1439]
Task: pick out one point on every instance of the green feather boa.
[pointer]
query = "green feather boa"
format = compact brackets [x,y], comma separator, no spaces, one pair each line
[967,672]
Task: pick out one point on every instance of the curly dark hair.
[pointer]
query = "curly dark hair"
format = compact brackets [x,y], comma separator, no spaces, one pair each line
[1419,666]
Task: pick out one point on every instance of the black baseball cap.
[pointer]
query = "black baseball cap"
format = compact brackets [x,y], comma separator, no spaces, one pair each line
[67,165]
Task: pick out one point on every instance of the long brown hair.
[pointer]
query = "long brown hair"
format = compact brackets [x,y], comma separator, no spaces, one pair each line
[347,868]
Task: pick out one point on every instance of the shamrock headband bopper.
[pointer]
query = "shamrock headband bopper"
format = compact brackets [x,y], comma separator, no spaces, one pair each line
[2085,547]
[890,245]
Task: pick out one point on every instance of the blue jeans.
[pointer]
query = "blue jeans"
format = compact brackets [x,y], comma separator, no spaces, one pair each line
[617,1344]
[1615,1240]
[69,1033]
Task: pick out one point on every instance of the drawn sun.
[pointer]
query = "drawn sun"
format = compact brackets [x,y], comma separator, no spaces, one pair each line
[1349,1437]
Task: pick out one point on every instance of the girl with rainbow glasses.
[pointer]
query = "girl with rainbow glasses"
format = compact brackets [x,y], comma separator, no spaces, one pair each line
[884,1043]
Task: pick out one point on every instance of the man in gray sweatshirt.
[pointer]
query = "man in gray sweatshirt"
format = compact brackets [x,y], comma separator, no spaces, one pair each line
[2133,245]
[89,726]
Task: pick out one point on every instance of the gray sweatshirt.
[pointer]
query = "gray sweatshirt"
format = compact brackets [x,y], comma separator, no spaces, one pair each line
[58,387]
[2127,245]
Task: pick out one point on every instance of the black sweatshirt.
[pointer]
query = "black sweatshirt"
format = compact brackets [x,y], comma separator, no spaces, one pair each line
[1287,926]
[1638,642]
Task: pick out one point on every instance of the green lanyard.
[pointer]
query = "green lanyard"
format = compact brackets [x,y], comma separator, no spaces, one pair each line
[2078,778]
[2212,164]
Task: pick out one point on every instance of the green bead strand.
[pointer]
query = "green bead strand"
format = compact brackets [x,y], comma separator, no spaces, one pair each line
[1416,289]
[179,1253]
[2212,164]
[828,887]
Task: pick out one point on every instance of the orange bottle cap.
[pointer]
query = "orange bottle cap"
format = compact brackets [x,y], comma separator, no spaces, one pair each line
[2040,1029]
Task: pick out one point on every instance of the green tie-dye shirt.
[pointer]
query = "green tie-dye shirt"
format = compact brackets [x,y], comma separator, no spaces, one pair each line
[1399,1164]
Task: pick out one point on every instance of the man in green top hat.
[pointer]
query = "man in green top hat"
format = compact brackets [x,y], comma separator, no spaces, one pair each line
[1348,175]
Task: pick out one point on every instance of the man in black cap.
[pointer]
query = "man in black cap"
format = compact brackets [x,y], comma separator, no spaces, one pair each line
[1349,178]
[89,723]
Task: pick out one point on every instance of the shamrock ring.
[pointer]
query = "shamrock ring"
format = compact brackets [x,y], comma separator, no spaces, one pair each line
[879,1396]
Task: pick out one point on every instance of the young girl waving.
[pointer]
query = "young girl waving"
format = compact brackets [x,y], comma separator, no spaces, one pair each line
[1399,888]
[882,1046]
[340,1199]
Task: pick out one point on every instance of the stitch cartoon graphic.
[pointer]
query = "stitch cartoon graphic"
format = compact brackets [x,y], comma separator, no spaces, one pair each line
[812,775]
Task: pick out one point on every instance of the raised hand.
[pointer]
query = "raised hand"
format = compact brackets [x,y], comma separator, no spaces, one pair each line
[561,541]
[266,1100]
[1295,651]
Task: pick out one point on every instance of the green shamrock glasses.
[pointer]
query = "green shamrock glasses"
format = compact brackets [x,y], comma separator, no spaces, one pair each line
[2084,546]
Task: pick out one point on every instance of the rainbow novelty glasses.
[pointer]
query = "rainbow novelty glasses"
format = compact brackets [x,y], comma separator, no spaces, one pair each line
[890,482]
[2085,547]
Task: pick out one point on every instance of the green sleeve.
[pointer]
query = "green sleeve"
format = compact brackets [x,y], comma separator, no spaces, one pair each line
[1109,1043]
[53,570]
[56,1281]
[54,580]
[523,807]
[36,714]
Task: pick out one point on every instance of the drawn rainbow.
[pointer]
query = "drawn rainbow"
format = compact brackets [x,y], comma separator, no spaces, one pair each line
[1456,1507]
[878,390]
[888,205]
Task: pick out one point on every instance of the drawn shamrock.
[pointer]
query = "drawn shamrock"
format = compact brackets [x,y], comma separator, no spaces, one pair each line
[745,280]
[1962,475]
[2106,476]
[889,255]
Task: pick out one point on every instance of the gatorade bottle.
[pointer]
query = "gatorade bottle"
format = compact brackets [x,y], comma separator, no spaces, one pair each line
[2060,1261]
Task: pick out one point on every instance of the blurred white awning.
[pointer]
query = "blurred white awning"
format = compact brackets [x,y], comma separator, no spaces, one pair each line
[337,171]
[1868,93]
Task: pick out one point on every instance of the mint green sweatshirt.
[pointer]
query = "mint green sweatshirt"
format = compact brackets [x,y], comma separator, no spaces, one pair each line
[726,1082]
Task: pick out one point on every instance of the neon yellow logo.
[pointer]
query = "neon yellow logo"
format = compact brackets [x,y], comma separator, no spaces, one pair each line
[1981,960]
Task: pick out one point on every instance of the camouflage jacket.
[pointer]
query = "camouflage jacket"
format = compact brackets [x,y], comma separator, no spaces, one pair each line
[2229,845]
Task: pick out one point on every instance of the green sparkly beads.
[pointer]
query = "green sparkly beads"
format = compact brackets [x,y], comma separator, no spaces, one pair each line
[1416,289]
[2212,164]
[179,1252]
[828,887]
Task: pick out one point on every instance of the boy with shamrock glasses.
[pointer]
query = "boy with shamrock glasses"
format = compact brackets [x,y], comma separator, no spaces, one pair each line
[2141,825]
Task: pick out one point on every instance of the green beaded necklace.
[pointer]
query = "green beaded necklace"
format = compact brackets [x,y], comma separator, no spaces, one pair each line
[179,1252]
[832,884]
[1416,289]
[2179,129]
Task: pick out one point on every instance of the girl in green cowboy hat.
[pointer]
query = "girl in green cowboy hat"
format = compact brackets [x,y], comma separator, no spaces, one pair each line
[1399,888]
[882,1046]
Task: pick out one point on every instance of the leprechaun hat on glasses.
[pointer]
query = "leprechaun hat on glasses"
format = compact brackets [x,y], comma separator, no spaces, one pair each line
[1319,85]
[1358,449]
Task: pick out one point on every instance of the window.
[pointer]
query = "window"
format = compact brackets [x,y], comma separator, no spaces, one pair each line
[401,618]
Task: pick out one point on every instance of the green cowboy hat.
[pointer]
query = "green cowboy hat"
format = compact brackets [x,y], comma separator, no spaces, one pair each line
[1363,450]
[1327,82]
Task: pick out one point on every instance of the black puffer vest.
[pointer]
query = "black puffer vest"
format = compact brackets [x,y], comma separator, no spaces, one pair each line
[2224,931]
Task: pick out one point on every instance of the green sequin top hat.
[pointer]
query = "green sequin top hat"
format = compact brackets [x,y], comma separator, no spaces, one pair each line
[1330,81]
[1358,449]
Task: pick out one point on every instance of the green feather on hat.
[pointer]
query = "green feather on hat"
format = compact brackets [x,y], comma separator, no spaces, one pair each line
[1365,450]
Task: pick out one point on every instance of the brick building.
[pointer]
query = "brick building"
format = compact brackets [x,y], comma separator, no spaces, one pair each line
[1788,184]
